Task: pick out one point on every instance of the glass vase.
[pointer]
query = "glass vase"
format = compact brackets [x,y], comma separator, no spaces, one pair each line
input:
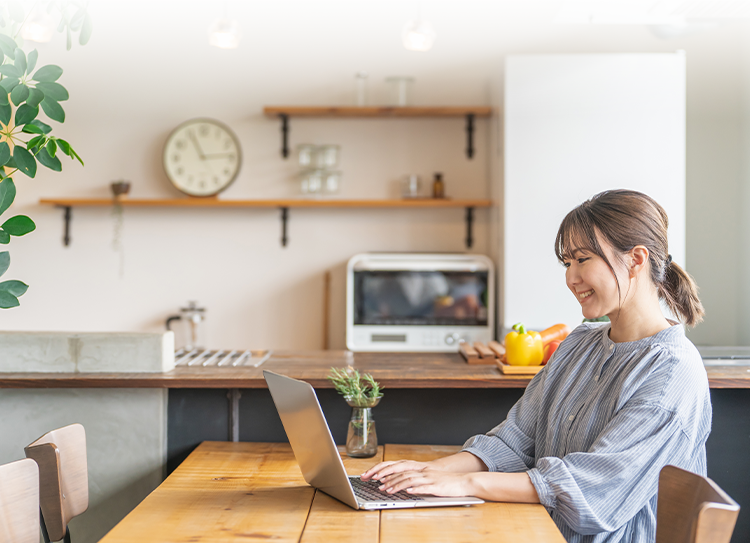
[362,439]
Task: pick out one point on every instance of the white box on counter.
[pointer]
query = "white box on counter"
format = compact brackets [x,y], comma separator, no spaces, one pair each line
[86,352]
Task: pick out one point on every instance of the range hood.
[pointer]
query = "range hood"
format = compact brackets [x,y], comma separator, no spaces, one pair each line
[678,13]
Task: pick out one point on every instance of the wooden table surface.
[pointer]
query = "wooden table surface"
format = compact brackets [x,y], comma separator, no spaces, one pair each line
[392,370]
[255,491]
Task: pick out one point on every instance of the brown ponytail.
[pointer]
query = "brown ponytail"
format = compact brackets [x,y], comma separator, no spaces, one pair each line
[626,219]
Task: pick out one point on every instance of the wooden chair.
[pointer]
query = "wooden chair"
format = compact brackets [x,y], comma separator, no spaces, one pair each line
[19,502]
[63,478]
[693,509]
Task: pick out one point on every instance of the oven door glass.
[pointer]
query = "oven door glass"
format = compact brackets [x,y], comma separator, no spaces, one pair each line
[448,298]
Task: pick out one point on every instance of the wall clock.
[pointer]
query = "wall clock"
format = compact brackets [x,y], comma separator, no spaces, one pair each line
[202,157]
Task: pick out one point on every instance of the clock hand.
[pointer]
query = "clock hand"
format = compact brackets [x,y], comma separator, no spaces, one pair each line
[217,155]
[196,145]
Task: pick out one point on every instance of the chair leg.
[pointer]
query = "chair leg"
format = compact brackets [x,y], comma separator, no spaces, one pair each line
[67,535]
[45,535]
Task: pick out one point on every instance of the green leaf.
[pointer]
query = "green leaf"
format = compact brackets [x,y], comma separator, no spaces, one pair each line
[35,141]
[16,288]
[46,129]
[31,129]
[9,83]
[4,156]
[86,30]
[55,91]
[20,62]
[25,114]
[7,300]
[25,162]
[11,164]
[68,150]
[53,110]
[10,71]
[4,100]
[4,262]
[35,97]
[48,73]
[8,45]
[53,163]
[20,225]
[77,20]
[7,190]
[4,237]
[31,61]
[15,10]
[51,147]
[19,94]
[5,113]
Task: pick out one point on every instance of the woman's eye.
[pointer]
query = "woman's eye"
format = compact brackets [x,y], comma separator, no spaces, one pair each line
[566,264]
[582,260]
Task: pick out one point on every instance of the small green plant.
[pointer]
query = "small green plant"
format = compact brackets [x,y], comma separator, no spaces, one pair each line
[355,387]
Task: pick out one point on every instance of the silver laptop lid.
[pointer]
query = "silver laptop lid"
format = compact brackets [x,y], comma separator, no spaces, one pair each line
[310,437]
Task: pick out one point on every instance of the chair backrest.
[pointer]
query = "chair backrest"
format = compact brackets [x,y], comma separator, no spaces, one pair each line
[693,509]
[19,502]
[63,476]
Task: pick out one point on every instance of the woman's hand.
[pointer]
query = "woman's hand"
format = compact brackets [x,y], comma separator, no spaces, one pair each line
[384,469]
[429,481]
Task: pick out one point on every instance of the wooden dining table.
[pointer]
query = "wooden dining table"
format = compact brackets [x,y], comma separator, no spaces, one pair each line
[228,491]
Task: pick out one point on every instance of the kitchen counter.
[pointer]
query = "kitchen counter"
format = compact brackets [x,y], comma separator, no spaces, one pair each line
[392,370]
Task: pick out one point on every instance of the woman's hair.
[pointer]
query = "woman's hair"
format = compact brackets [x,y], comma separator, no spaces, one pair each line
[625,219]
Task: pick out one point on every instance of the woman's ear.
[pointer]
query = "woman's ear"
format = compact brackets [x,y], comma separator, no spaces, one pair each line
[638,259]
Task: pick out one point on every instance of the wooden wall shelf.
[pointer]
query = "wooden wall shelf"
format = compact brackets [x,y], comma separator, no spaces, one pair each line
[67,204]
[469,112]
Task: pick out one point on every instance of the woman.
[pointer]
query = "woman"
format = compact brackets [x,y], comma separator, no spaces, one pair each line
[617,402]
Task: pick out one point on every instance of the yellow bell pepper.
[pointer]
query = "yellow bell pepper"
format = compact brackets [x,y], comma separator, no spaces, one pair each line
[523,348]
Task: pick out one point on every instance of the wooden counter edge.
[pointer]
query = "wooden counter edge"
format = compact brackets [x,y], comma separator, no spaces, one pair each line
[141,380]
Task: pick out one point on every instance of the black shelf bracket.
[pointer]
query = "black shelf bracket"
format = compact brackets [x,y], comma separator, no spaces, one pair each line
[284,219]
[284,134]
[470,136]
[469,224]
[67,216]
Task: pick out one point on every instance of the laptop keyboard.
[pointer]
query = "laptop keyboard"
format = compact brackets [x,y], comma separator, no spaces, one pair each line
[368,491]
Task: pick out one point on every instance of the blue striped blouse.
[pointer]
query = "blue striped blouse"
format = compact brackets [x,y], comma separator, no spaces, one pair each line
[596,425]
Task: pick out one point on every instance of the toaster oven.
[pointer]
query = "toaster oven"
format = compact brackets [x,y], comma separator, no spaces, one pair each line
[418,302]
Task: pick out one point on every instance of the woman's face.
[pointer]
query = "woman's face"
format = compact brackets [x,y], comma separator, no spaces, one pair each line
[592,283]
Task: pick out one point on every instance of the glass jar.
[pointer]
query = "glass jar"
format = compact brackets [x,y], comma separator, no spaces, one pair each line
[327,156]
[399,91]
[306,155]
[331,182]
[361,439]
[311,182]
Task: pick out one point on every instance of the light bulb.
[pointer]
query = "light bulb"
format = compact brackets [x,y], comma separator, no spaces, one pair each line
[39,28]
[224,33]
[418,35]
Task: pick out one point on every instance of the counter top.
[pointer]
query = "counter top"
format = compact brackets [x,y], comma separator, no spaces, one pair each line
[392,370]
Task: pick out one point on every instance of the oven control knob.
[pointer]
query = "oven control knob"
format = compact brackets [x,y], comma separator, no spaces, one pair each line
[452,339]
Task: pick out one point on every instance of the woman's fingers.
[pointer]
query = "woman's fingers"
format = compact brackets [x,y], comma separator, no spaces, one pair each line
[385,469]
[402,481]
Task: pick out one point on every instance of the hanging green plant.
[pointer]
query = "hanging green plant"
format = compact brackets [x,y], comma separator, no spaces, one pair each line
[25,140]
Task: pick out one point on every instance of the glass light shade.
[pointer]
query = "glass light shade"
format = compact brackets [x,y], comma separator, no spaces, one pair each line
[224,33]
[38,28]
[418,35]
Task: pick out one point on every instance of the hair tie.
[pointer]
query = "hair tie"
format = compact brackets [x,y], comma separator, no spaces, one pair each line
[669,260]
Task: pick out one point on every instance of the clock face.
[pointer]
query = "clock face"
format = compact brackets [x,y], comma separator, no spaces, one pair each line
[202,157]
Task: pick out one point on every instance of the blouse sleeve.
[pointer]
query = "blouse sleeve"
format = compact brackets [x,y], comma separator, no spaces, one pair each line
[601,489]
[509,447]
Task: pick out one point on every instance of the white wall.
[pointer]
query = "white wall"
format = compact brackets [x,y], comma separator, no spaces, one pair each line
[148,67]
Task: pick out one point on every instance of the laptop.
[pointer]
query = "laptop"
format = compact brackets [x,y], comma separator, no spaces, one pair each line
[319,459]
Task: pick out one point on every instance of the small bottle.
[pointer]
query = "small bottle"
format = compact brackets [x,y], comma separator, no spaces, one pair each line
[438,186]
[361,88]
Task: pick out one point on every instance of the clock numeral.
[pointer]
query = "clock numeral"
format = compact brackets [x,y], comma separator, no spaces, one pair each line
[203,130]
[180,171]
[180,144]
[175,158]
[227,144]
[227,171]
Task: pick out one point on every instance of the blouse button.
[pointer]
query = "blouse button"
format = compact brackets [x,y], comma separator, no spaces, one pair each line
[571,417]
[596,377]
[611,347]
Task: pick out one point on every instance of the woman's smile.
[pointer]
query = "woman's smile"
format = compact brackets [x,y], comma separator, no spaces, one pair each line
[583,296]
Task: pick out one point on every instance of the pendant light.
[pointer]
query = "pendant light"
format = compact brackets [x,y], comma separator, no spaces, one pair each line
[39,27]
[224,32]
[418,34]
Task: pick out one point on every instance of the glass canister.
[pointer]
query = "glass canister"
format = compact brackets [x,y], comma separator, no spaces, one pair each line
[327,156]
[400,90]
[311,182]
[361,439]
[331,182]
[306,153]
